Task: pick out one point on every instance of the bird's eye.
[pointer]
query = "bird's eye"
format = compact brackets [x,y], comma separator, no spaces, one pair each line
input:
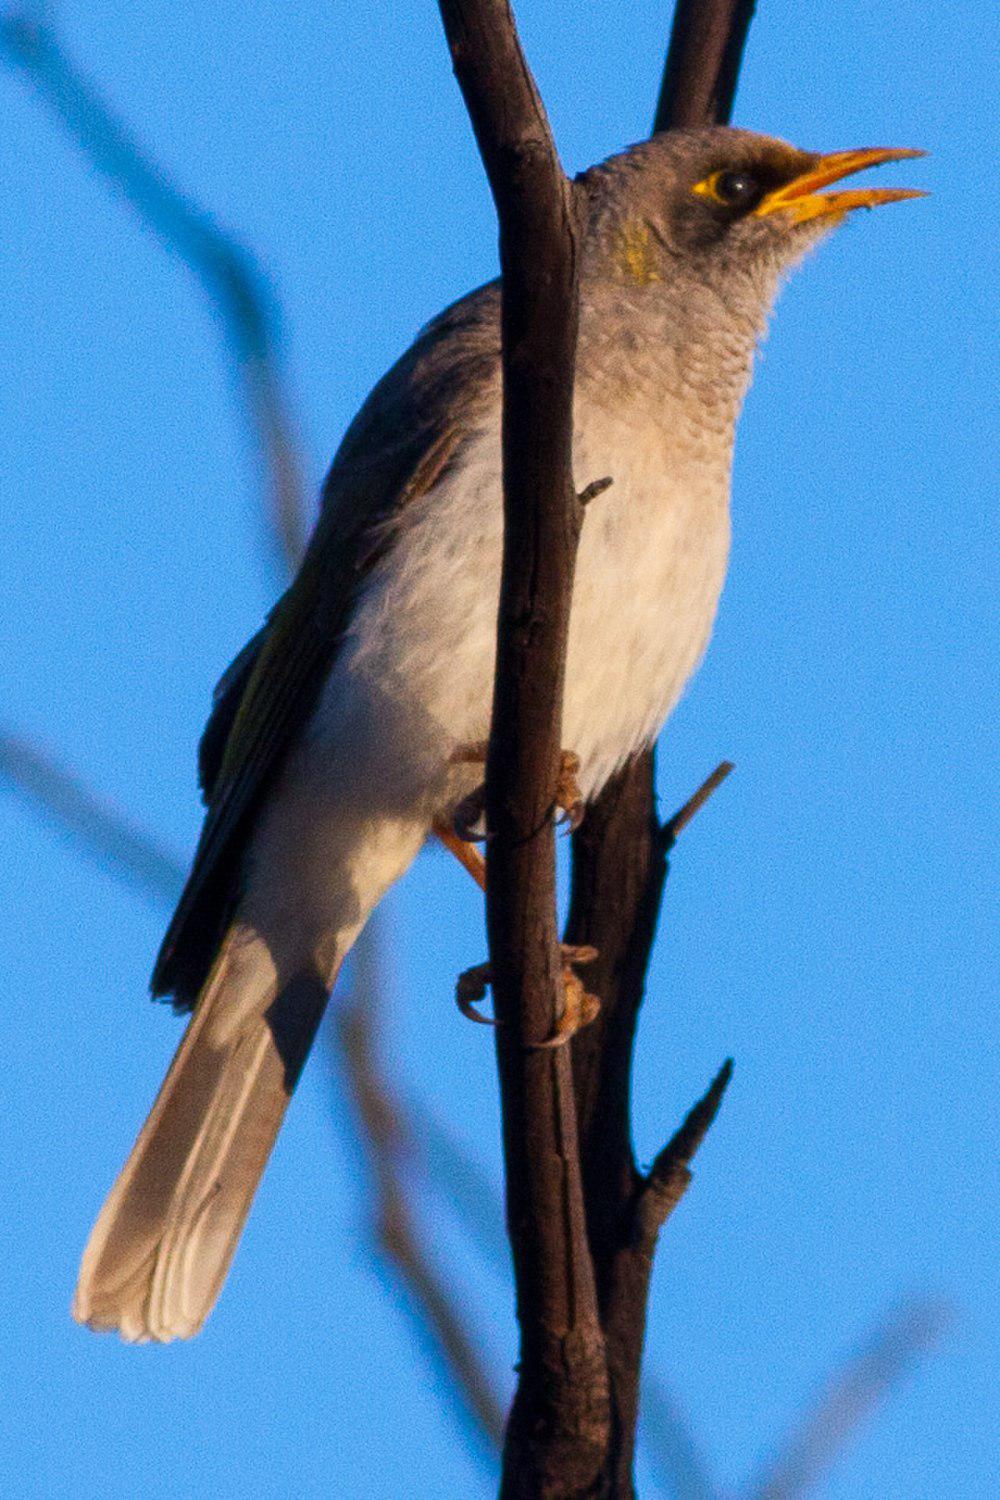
[738,190]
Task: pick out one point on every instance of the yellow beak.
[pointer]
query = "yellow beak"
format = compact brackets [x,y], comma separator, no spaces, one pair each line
[801,199]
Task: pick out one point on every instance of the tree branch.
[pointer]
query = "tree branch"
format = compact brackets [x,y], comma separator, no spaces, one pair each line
[670,1175]
[857,1388]
[558,1429]
[620,867]
[233,284]
[385,1137]
[703,62]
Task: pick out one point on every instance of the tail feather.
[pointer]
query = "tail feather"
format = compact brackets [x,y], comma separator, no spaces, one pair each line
[162,1245]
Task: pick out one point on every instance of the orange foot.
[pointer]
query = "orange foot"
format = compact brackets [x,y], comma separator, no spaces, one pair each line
[468,814]
[579,1007]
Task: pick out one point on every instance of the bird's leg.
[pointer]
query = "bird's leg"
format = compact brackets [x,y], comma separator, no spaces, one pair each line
[470,810]
[579,1007]
[465,852]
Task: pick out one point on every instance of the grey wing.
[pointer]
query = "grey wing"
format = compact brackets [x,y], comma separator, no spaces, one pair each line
[404,438]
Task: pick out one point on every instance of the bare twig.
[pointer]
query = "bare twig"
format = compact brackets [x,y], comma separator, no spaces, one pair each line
[385,1138]
[670,1175]
[90,823]
[226,272]
[675,826]
[703,62]
[669,1444]
[854,1393]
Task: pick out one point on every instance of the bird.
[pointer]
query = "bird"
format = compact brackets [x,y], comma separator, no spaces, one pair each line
[350,728]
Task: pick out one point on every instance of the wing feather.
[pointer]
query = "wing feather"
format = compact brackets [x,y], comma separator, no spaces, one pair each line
[397,449]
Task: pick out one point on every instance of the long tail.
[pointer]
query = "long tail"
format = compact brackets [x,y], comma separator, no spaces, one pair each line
[161,1248]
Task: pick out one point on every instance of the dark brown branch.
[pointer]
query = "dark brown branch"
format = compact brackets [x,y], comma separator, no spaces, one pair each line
[670,1175]
[631,1266]
[703,62]
[558,1430]
[619,869]
[225,270]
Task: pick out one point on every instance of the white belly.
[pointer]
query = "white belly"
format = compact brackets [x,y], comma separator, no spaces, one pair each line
[415,677]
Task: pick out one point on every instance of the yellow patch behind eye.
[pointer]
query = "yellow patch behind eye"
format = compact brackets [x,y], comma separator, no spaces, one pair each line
[634,252]
[709,188]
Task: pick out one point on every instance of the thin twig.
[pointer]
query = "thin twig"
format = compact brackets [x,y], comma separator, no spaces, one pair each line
[856,1390]
[89,822]
[675,826]
[670,1175]
[225,270]
[384,1135]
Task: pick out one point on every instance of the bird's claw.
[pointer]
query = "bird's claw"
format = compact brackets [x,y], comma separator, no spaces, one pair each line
[568,795]
[579,1007]
[467,817]
[470,988]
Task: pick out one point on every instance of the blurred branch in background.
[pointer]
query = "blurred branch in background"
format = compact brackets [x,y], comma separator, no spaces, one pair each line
[227,273]
[856,1390]
[391,1148]
[89,823]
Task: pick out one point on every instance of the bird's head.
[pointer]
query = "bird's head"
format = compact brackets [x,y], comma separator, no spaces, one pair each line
[730,196]
[709,221]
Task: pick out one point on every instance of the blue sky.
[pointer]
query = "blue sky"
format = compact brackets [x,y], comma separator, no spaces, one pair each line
[830,917]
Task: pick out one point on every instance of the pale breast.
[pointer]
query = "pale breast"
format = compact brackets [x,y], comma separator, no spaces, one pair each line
[650,569]
[415,676]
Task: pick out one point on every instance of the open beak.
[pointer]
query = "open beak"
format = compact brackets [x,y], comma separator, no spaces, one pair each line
[802,198]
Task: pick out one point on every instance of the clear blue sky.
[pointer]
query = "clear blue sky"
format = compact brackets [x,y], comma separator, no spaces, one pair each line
[829,918]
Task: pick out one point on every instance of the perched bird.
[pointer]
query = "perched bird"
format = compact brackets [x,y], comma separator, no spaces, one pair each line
[346,731]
